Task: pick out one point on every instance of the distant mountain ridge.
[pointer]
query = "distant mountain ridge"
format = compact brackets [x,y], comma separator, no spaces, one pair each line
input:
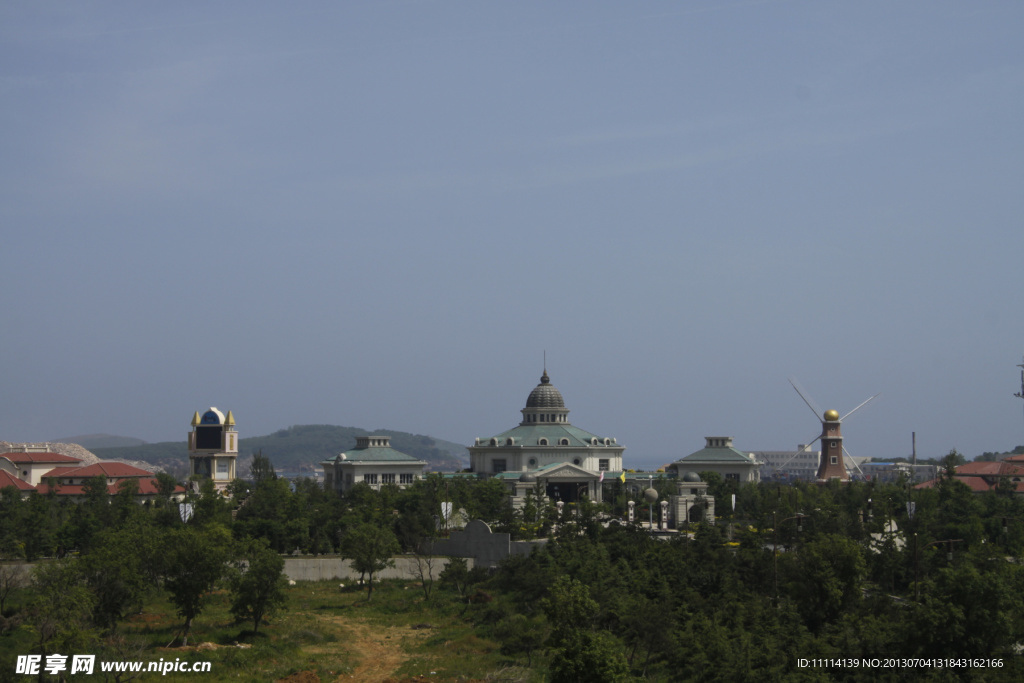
[301,448]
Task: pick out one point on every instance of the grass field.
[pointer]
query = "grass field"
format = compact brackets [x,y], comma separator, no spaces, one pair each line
[325,634]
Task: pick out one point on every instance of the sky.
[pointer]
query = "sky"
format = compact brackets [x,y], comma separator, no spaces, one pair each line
[384,215]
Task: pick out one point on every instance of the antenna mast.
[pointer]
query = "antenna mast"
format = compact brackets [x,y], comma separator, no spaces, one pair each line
[1020,394]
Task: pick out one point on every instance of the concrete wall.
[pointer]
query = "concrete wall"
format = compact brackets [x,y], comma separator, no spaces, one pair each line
[332,567]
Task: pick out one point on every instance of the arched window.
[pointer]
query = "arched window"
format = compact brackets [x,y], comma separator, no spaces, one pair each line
[563,442]
[542,442]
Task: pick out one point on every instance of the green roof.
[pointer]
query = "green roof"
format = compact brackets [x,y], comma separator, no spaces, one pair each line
[717,455]
[530,435]
[373,454]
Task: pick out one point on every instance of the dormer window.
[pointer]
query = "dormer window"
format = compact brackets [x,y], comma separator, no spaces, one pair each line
[542,442]
[563,442]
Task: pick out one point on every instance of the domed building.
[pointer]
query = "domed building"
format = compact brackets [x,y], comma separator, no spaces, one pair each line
[545,450]
[691,502]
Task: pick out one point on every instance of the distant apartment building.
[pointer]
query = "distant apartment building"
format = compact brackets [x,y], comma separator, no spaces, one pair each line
[799,465]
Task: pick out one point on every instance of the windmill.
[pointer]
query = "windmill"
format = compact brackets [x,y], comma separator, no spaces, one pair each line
[832,465]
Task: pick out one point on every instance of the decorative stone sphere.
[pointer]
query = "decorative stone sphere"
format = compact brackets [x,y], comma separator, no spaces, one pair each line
[691,478]
[527,478]
[831,415]
[650,495]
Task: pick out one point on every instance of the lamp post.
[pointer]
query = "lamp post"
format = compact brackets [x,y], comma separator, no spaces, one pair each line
[917,561]
[799,517]
[651,496]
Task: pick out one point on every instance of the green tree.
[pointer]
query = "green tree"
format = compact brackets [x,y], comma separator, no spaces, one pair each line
[196,560]
[830,571]
[456,574]
[521,634]
[371,549]
[113,571]
[258,585]
[58,613]
[588,656]
[261,469]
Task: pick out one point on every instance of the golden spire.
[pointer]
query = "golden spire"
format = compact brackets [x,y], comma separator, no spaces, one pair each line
[229,421]
[195,419]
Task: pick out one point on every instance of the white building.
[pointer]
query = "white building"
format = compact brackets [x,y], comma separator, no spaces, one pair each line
[800,464]
[718,455]
[545,450]
[373,462]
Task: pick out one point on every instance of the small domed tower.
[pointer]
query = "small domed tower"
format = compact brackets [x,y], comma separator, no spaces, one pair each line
[213,447]
[545,404]
[831,465]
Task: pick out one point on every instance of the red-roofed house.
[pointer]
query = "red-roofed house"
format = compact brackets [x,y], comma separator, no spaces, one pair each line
[69,481]
[984,476]
[7,479]
[29,464]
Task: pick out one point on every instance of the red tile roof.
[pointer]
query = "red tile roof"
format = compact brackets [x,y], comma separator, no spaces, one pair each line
[147,487]
[7,479]
[39,457]
[110,470]
[984,476]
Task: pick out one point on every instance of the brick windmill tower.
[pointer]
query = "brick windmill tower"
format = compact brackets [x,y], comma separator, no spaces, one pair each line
[832,465]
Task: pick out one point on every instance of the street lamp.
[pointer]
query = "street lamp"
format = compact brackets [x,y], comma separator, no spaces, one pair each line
[917,561]
[799,517]
[650,495]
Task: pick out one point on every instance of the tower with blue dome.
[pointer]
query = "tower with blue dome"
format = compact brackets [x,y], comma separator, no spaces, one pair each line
[213,447]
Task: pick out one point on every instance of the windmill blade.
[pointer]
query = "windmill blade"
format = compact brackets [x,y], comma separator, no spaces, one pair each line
[860,406]
[814,409]
[806,448]
[853,460]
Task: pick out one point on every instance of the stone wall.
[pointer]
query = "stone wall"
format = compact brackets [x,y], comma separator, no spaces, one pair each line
[479,543]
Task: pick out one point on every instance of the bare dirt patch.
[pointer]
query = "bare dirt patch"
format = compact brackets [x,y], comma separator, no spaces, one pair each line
[381,650]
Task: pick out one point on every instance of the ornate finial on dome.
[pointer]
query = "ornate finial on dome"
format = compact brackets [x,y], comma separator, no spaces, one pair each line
[544,379]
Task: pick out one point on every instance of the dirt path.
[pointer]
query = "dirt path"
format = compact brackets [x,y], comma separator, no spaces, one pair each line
[380,649]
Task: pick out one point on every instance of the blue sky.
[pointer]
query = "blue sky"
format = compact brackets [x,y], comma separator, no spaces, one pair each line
[381,214]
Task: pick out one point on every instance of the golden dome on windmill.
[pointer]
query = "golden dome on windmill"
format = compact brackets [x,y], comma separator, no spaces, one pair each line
[831,415]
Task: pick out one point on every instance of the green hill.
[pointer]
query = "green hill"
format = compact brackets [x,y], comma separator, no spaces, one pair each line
[301,448]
